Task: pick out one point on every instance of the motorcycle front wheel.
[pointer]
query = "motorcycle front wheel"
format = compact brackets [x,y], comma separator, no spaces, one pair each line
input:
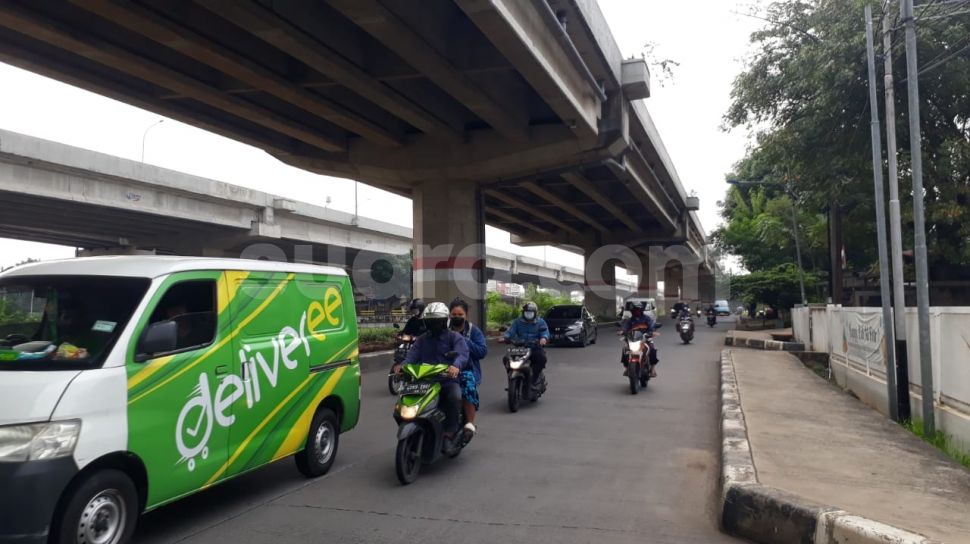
[407,458]
[394,383]
[514,398]
[634,378]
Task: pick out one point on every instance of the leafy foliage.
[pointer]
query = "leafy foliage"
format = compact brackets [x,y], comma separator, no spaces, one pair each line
[804,96]
[778,286]
[377,334]
[501,313]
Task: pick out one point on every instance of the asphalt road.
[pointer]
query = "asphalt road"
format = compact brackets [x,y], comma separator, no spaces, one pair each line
[588,463]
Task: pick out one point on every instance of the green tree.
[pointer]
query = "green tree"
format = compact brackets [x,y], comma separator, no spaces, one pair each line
[804,97]
[778,286]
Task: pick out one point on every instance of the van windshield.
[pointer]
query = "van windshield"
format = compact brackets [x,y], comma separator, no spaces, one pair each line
[63,322]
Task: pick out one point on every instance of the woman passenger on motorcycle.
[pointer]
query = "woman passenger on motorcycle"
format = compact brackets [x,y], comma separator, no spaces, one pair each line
[640,320]
[434,347]
[471,377]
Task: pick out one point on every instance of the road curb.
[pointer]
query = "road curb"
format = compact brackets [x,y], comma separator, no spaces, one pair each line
[768,515]
[759,343]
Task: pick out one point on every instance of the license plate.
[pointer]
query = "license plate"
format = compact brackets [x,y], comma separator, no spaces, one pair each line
[415,388]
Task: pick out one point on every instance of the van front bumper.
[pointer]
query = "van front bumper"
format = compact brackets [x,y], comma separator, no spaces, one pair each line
[29,492]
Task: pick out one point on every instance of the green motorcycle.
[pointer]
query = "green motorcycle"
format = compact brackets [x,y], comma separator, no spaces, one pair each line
[420,433]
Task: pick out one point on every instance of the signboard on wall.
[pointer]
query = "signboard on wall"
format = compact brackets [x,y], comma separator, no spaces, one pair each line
[863,339]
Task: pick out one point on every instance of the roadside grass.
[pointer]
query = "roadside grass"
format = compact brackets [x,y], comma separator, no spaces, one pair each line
[942,441]
[379,334]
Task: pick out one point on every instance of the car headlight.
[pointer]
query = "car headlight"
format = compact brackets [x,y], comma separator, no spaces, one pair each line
[38,441]
[575,327]
[409,412]
[516,364]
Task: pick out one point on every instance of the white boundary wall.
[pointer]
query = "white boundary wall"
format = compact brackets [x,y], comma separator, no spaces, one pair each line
[829,329]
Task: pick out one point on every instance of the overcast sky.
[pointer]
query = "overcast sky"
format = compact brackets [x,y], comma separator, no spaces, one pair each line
[704,36]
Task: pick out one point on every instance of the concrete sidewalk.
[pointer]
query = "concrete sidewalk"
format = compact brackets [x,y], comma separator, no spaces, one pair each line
[816,442]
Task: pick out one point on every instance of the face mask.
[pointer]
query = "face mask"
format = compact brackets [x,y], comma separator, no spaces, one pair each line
[457,323]
[529,316]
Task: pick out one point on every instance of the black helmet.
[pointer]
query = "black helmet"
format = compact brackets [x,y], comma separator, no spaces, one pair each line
[530,311]
[636,309]
[416,307]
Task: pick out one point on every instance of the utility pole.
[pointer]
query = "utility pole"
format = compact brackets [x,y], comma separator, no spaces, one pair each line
[798,244]
[922,275]
[887,320]
[895,227]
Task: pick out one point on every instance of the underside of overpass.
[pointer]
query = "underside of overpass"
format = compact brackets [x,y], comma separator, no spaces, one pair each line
[521,113]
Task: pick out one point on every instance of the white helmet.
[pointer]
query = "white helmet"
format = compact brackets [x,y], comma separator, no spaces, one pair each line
[435,317]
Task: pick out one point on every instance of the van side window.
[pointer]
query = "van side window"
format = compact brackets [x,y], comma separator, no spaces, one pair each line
[192,306]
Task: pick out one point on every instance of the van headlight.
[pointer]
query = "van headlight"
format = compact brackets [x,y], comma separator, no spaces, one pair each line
[516,364]
[409,412]
[37,441]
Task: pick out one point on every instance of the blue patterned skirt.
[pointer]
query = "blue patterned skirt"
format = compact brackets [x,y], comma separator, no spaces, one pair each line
[469,387]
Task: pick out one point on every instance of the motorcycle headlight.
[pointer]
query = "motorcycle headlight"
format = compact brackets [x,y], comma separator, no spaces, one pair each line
[635,346]
[516,364]
[409,412]
[38,441]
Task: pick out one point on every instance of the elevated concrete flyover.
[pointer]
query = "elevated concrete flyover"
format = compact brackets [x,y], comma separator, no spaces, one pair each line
[55,193]
[517,112]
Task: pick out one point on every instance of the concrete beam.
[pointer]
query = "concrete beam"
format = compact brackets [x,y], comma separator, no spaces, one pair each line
[580,182]
[111,56]
[562,204]
[282,147]
[515,203]
[531,42]
[281,34]
[635,176]
[509,218]
[507,117]
[207,52]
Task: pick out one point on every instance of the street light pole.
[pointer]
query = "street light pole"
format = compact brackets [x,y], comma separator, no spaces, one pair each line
[922,274]
[145,135]
[887,320]
[798,244]
[895,227]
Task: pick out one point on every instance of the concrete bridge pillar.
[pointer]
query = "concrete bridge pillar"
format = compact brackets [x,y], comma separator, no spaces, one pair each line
[707,286]
[673,283]
[599,293]
[647,279]
[449,244]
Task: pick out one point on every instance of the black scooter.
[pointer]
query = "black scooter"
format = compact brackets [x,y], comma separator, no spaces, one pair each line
[711,320]
[686,328]
[420,434]
[518,367]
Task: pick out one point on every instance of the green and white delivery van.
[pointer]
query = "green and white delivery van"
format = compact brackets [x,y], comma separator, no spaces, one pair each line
[129,382]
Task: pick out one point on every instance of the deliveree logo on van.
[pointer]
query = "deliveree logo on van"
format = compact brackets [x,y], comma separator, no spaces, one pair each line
[206,408]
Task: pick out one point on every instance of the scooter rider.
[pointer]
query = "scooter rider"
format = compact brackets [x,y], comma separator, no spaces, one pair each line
[711,314]
[531,329]
[415,325]
[639,319]
[433,347]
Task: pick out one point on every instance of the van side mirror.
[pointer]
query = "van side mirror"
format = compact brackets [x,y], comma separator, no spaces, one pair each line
[160,337]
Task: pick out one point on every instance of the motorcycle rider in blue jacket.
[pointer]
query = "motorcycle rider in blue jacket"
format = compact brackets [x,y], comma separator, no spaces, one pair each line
[533,330]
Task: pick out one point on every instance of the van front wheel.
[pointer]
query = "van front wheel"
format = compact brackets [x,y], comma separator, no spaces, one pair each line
[103,508]
[321,445]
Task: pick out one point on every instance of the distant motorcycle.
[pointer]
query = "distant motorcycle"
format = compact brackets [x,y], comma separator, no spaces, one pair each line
[686,328]
[394,381]
[518,366]
[711,320]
